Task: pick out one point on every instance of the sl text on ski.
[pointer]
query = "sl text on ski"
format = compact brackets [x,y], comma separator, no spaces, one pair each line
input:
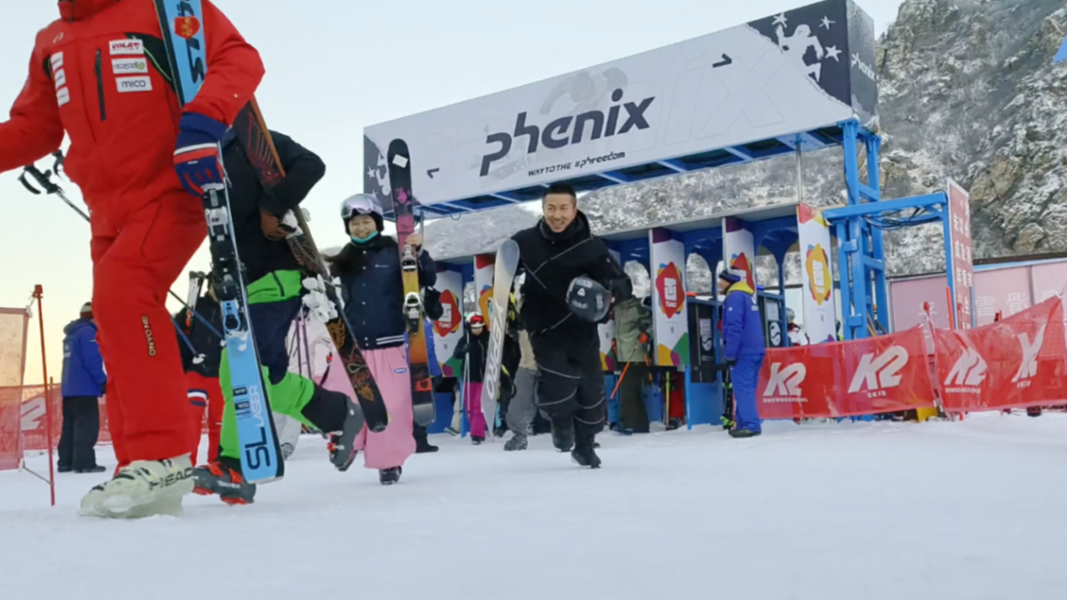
[555,134]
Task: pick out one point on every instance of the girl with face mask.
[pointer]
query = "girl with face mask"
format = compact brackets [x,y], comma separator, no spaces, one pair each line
[373,294]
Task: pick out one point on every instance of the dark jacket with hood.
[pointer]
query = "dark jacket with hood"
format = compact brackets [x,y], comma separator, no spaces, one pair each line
[303,169]
[83,367]
[372,288]
[551,261]
[201,337]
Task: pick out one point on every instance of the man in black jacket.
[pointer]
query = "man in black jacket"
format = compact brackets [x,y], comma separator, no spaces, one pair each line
[273,281]
[570,385]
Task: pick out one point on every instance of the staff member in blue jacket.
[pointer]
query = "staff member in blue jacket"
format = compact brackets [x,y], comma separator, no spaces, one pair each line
[84,381]
[743,348]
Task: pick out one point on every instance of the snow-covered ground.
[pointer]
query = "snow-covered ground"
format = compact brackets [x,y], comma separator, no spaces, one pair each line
[972,511]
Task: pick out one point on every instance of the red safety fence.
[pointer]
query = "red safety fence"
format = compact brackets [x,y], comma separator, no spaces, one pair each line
[1016,362]
[889,373]
[22,410]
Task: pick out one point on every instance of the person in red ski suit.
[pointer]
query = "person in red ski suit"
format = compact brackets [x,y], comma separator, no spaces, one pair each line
[100,74]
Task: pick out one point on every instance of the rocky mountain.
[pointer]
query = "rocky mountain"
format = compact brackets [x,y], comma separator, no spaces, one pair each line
[967,90]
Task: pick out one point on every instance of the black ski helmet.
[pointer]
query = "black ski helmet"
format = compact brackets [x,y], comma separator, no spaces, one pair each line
[587,299]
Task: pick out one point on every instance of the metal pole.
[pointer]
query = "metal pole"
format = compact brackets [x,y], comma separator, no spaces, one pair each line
[38,293]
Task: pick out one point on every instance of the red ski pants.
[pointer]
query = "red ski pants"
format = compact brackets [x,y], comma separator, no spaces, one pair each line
[138,251]
[205,395]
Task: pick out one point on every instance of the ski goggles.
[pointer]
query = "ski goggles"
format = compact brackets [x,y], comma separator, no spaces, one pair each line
[360,204]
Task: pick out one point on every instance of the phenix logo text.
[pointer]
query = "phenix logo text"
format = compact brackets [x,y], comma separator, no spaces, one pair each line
[556,134]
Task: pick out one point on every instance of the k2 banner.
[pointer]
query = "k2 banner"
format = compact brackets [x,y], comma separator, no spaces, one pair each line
[1016,362]
[839,379]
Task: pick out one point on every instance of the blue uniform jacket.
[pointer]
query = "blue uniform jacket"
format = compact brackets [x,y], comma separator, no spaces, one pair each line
[83,367]
[742,330]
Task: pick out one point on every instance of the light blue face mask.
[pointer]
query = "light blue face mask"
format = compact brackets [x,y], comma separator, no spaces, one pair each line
[370,237]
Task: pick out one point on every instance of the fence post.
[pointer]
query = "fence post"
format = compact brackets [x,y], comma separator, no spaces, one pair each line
[38,293]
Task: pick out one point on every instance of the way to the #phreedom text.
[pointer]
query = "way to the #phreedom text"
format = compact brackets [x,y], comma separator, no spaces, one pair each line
[577,164]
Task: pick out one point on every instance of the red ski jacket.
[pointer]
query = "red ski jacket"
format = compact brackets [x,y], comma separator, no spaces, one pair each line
[101,75]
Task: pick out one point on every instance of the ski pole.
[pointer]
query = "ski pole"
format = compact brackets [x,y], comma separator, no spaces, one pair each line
[618,383]
[43,178]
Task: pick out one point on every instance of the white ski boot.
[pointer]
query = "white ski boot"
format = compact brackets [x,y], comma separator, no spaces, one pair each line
[142,489]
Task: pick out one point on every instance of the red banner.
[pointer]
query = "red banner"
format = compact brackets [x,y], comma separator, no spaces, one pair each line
[34,421]
[10,426]
[1016,362]
[889,373]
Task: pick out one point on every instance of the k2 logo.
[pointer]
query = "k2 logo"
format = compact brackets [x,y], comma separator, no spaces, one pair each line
[879,373]
[1028,368]
[969,370]
[785,382]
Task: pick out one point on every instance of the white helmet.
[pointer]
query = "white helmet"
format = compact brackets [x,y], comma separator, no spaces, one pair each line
[361,204]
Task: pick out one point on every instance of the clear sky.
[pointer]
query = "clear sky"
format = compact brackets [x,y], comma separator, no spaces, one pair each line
[334,67]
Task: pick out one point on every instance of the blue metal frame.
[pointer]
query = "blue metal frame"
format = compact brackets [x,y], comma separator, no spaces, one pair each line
[860,247]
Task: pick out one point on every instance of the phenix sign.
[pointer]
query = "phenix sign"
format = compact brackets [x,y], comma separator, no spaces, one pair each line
[762,80]
[558,133]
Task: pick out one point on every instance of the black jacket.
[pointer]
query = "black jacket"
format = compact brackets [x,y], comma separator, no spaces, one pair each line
[372,288]
[551,261]
[474,349]
[303,169]
[203,339]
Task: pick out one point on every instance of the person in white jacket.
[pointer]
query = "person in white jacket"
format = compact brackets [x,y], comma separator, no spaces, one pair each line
[311,351]
[797,335]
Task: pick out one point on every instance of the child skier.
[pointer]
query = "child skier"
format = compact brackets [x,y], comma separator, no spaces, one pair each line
[473,350]
[373,292]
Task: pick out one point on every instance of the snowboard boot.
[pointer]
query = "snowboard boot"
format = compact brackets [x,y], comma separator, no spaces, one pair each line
[584,454]
[287,451]
[337,413]
[517,442]
[563,433]
[743,433]
[141,489]
[423,447]
[96,469]
[390,476]
[224,478]
[477,441]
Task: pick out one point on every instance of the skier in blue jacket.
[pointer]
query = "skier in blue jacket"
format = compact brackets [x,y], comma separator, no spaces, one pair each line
[84,381]
[743,348]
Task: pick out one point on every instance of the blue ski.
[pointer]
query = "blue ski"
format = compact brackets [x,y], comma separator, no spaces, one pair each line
[181,22]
